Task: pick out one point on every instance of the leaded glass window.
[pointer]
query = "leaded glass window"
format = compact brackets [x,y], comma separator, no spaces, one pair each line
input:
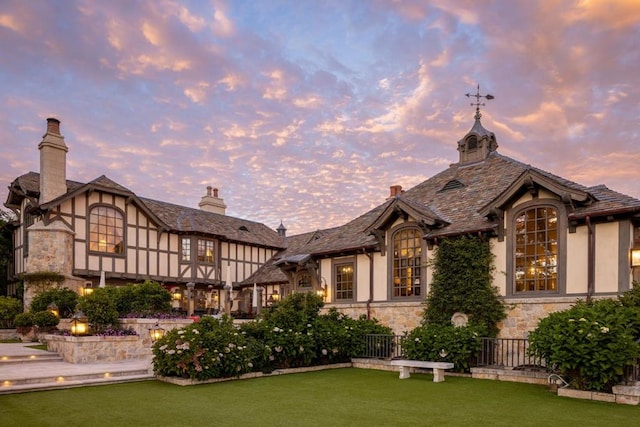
[536,250]
[407,259]
[344,279]
[106,230]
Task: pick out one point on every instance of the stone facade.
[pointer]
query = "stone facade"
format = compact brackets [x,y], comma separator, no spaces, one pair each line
[399,316]
[51,250]
[524,314]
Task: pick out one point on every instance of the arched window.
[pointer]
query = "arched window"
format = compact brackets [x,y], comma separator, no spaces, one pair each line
[106,230]
[407,258]
[536,250]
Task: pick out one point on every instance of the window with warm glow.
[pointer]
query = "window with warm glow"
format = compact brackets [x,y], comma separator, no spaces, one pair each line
[407,258]
[106,230]
[185,249]
[205,251]
[536,250]
[344,280]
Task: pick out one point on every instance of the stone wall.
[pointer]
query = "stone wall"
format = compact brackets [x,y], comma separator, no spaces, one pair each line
[91,349]
[524,314]
[399,316]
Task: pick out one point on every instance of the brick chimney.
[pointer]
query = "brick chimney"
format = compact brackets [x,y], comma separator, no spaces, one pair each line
[395,190]
[53,163]
[212,203]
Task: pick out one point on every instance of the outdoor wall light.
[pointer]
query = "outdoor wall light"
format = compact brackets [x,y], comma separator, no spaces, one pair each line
[79,324]
[53,308]
[175,294]
[273,298]
[635,257]
[156,332]
[88,289]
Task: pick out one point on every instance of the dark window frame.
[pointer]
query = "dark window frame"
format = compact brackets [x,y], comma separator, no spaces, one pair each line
[405,269]
[344,278]
[103,230]
[561,258]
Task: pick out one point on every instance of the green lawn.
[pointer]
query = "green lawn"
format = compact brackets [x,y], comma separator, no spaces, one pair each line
[341,397]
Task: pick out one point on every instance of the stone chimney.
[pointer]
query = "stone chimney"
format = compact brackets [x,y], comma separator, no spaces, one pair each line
[212,203]
[53,163]
[395,190]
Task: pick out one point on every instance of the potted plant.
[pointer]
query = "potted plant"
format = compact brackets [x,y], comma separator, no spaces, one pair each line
[45,322]
[25,326]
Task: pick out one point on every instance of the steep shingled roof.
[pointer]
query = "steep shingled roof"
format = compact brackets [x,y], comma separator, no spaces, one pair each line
[458,206]
[176,218]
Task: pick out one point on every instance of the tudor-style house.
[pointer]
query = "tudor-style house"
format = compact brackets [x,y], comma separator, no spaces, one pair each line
[102,230]
[554,241]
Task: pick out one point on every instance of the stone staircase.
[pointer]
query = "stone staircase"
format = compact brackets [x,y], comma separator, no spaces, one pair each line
[44,370]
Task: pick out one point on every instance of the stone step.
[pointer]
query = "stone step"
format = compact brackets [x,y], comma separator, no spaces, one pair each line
[75,380]
[31,358]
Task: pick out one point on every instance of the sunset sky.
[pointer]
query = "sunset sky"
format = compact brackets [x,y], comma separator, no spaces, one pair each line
[308,111]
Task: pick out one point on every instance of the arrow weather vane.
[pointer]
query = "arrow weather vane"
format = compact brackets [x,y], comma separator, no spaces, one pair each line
[477,104]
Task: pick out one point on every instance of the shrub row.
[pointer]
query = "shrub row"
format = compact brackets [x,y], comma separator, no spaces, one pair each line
[291,334]
[591,343]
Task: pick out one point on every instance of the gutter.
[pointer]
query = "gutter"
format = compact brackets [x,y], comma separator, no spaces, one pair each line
[591,255]
[370,299]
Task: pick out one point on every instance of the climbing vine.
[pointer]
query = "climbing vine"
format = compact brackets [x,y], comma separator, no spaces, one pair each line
[462,282]
[42,280]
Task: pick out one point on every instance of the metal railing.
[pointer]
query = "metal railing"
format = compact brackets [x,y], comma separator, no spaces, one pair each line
[508,353]
[632,372]
[378,346]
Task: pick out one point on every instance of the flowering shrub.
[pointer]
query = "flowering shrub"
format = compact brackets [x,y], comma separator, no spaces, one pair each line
[590,343]
[210,348]
[444,343]
[292,334]
[117,332]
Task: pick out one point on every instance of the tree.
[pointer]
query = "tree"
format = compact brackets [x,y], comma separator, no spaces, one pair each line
[6,248]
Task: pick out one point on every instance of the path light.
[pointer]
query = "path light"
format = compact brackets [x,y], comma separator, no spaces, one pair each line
[79,324]
[53,308]
[156,332]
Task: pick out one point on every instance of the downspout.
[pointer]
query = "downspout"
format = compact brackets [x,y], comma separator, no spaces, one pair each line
[370,256]
[591,254]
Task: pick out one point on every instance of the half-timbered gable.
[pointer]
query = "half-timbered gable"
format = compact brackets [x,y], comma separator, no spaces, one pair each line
[101,228]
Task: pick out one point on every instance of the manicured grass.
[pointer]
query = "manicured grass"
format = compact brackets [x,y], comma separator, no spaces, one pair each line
[341,397]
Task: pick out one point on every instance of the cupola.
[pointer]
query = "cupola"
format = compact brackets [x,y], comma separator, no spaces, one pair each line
[478,143]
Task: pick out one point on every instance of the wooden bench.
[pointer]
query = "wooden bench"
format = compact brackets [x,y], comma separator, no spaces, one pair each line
[437,367]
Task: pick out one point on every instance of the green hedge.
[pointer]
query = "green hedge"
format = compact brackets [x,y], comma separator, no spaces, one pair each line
[589,344]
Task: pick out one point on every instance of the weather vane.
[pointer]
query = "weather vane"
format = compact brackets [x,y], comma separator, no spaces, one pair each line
[477,104]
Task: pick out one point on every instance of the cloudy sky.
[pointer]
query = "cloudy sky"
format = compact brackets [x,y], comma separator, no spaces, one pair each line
[307,111]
